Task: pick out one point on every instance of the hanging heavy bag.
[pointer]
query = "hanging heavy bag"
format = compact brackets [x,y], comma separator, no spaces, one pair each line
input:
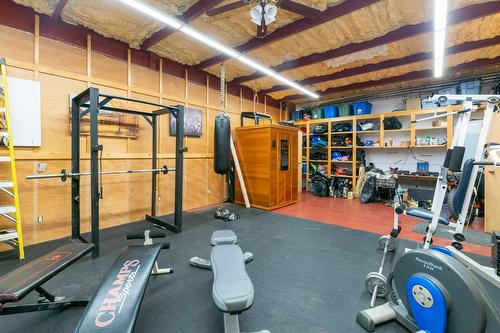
[222,150]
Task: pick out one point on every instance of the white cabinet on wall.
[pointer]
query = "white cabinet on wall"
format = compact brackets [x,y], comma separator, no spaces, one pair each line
[25,111]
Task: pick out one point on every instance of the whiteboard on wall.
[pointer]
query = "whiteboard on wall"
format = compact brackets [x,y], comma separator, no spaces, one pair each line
[25,111]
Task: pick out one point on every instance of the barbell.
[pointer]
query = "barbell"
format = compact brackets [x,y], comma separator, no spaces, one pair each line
[65,174]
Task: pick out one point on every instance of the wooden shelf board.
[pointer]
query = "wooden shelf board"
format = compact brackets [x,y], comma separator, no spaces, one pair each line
[333,133]
[341,147]
[430,128]
[341,162]
[319,161]
[340,176]
[370,131]
[398,130]
[430,146]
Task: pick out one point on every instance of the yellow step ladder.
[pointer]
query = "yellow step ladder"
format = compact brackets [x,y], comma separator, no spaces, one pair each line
[11,210]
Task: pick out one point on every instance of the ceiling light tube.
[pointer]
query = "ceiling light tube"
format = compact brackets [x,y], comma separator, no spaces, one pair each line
[153,12]
[185,28]
[440,21]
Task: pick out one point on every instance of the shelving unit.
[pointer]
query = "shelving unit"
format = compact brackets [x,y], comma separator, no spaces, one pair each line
[378,134]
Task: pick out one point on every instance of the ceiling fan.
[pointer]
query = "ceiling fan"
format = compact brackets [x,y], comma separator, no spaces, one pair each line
[265,11]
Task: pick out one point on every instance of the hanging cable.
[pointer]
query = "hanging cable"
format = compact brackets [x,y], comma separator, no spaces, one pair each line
[222,87]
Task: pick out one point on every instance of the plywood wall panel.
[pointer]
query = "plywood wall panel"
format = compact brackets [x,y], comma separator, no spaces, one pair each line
[214,98]
[215,185]
[196,183]
[62,56]
[107,68]
[198,145]
[145,78]
[55,92]
[197,93]
[16,44]
[174,86]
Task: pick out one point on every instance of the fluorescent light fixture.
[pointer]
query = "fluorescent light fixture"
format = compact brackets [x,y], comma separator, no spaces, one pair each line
[439,40]
[209,41]
[153,12]
[440,14]
[440,19]
[438,67]
[185,28]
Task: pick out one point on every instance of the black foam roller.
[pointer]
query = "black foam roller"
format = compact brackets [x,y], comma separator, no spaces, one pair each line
[222,150]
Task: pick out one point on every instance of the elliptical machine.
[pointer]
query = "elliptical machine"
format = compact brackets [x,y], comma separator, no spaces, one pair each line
[435,291]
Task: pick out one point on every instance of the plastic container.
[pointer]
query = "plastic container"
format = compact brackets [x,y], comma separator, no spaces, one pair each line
[470,87]
[317,113]
[448,91]
[297,115]
[422,168]
[429,104]
[331,111]
[345,110]
[361,108]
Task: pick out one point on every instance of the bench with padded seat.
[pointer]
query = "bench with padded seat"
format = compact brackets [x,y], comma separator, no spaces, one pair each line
[219,237]
[17,284]
[232,289]
[116,303]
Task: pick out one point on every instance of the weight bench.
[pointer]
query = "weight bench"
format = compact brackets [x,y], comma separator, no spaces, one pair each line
[17,284]
[219,237]
[116,302]
[232,289]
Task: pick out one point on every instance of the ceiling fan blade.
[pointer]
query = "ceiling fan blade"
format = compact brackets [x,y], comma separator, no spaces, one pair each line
[300,9]
[262,28]
[226,8]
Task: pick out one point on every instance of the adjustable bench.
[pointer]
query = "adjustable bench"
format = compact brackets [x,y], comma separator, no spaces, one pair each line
[116,303]
[17,284]
[232,289]
[219,237]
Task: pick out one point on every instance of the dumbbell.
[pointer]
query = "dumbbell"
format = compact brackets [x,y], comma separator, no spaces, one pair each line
[376,282]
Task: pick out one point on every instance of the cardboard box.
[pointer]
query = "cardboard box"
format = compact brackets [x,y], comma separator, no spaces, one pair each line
[438,123]
[413,103]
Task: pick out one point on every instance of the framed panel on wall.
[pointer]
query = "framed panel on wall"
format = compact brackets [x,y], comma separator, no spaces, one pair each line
[193,123]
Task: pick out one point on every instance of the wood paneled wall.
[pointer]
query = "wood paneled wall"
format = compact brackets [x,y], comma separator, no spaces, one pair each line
[63,69]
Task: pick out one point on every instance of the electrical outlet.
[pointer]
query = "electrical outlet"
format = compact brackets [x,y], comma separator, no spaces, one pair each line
[39,219]
[42,167]
[159,198]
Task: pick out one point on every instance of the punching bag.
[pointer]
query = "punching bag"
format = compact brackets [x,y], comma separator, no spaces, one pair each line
[222,150]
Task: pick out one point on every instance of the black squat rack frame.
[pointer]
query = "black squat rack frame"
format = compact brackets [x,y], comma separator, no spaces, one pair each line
[91,102]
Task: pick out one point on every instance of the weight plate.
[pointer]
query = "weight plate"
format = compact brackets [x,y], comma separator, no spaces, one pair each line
[391,243]
[374,279]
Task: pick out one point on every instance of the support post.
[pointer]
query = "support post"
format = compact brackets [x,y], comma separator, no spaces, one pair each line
[75,168]
[94,169]
[179,167]
[154,161]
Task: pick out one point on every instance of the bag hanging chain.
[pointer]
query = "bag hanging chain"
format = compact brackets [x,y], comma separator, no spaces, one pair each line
[222,87]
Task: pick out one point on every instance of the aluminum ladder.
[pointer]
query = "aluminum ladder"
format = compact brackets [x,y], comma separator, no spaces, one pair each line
[10,211]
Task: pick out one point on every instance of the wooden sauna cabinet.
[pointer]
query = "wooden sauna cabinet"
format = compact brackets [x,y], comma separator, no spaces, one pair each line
[268,157]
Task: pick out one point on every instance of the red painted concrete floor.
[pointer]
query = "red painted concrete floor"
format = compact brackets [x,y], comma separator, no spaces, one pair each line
[373,217]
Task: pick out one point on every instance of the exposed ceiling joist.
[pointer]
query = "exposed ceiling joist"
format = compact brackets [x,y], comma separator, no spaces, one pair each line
[467,46]
[428,73]
[455,17]
[293,28]
[59,8]
[200,7]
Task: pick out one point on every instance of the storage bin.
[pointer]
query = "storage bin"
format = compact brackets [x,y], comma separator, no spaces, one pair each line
[345,110]
[331,111]
[429,104]
[448,91]
[361,108]
[317,113]
[297,115]
[470,87]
